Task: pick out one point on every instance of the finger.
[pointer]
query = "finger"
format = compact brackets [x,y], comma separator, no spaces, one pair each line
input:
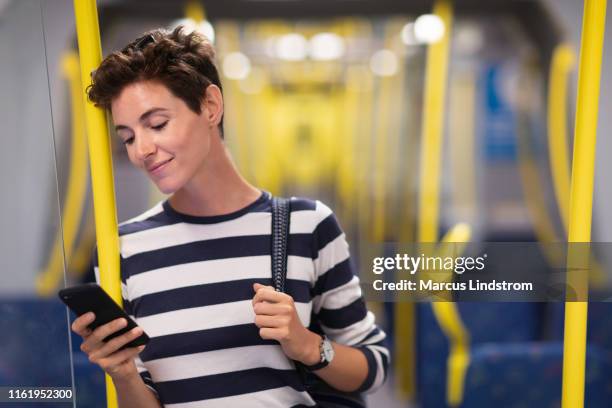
[278,334]
[268,294]
[115,344]
[271,321]
[109,328]
[272,309]
[257,286]
[95,340]
[112,362]
[79,326]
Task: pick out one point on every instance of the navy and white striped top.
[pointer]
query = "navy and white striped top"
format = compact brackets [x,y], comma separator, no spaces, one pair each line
[188,282]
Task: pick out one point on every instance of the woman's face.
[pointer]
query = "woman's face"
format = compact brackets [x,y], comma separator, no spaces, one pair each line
[162,135]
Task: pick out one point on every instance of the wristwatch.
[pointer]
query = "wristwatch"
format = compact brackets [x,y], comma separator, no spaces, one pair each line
[326,350]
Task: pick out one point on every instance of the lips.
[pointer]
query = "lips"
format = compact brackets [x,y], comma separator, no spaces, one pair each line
[158,166]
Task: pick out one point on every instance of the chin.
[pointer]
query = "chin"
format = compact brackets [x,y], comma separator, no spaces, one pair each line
[167,187]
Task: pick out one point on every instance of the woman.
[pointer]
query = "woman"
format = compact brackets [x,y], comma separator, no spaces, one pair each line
[195,268]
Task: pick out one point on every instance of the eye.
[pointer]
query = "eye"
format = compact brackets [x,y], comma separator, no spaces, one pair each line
[160,126]
[128,141]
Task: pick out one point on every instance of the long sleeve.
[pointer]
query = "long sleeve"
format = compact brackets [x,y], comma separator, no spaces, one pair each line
[338,304]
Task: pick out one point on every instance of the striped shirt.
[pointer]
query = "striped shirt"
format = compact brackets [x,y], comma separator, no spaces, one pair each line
[188,282]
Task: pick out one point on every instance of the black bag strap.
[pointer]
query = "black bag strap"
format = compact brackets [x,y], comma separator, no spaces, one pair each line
[281,213]
[323,394]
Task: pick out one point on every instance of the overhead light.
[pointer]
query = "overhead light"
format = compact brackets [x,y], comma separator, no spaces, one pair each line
[428,28]
[236,65]
[207,29]
[326,46]
[202,27]
[291,47]
[384,63]
[408,36]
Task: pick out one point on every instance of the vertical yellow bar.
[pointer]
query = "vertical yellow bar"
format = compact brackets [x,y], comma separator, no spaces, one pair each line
[433,126]
[90,53]
[581,195]
[436,75]
[562,63]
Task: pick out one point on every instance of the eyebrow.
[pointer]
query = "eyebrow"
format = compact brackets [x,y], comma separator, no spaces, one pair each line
[142,118]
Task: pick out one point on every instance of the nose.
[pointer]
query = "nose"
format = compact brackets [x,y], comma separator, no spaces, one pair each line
[144,147]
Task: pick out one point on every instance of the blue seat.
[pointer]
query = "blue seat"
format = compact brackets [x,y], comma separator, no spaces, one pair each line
[530,375]
[498,322]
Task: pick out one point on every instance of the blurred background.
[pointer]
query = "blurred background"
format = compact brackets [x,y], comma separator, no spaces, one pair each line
[411,125]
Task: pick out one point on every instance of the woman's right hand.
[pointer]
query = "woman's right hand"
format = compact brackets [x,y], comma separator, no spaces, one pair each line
[118,364]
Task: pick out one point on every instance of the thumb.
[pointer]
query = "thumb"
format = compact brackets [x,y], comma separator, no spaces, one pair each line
[257,286]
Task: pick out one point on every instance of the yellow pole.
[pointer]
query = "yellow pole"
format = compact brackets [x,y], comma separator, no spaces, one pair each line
[429,181]
[195,11]
[433,126]
[90,53]
[562,63]
[560,68]
[581,195]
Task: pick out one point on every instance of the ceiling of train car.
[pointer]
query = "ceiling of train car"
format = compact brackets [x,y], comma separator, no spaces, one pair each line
[534,17]
[240,9]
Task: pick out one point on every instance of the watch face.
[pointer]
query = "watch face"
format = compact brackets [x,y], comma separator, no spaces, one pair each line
[328,350]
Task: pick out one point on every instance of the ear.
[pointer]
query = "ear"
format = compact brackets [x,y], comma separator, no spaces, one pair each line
[213,105]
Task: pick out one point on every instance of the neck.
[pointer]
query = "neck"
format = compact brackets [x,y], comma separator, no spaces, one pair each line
[217,188]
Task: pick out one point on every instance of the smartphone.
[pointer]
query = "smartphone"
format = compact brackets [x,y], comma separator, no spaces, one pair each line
[90,297]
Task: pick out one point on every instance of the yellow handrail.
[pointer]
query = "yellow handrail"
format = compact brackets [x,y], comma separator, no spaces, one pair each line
[561,65]
[105,213]
[446,313]
[48,281]
[581,197]
[436,76]
[448,317]
[455,240]
[386,139]
[433,125]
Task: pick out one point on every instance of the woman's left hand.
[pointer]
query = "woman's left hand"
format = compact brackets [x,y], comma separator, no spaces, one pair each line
[277,319]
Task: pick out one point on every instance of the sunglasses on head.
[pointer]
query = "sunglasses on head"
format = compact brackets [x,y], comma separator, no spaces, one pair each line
[140,43]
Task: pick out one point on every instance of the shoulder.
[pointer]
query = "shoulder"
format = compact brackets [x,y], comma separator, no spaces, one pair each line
[311,214]
[313,208]
[152,218]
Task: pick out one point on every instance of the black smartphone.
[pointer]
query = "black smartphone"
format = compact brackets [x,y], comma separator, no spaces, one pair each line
[90,297]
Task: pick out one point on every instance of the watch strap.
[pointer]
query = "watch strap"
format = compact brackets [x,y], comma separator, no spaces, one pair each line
[317,366]
[321,364]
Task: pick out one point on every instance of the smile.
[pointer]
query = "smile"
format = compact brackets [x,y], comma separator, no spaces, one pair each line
[157,168]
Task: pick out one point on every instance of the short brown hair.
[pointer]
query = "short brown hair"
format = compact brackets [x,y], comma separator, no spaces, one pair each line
[183,62]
